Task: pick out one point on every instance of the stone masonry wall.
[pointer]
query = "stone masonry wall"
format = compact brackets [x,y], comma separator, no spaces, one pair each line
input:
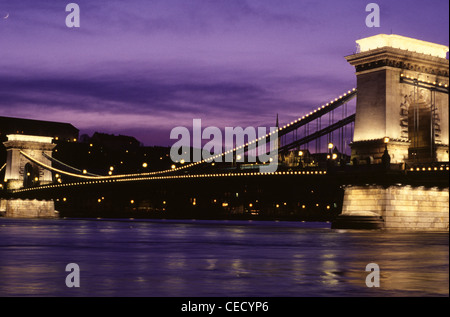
[18,208]
[402,207]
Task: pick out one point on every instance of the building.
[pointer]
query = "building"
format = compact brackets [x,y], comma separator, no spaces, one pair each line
[58,130]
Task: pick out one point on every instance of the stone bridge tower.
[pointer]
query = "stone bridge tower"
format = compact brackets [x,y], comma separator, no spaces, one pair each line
[402,97]
[402,107]
[21,172]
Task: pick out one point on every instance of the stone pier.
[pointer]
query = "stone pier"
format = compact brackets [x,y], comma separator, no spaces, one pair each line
[396,207]
[401,118]
[2,207]
[19,208]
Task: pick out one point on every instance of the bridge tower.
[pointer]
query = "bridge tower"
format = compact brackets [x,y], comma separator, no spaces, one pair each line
[400,81]
[402,107]
[21,172]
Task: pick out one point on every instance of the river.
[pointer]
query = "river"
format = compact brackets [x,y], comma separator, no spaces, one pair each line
[195,258]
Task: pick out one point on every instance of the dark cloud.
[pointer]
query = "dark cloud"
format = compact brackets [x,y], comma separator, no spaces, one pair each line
[149,66]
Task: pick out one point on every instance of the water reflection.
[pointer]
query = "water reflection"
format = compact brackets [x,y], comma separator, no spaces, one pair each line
[163,258]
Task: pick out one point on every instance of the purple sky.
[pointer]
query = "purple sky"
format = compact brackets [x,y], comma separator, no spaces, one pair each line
[143,67]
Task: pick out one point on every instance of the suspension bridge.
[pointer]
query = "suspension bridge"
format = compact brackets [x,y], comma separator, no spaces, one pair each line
[397,133]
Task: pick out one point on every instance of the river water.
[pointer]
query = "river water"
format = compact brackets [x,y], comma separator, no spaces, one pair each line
[193,258]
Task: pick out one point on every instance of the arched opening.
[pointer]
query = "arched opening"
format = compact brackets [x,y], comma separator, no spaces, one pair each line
[420,132]
[30,175]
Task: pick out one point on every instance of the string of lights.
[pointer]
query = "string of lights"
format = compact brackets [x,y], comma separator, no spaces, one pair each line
[428,169]
[50,168]
[435,83]
[66,165]
[279,131]
[168,177]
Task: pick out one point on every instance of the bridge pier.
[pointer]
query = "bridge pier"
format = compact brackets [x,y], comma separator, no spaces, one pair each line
[22,173]
[395,207]
[25,208]
[2,207]
[401,118]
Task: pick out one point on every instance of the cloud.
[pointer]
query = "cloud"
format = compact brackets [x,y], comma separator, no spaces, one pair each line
[152,65]
[159,100]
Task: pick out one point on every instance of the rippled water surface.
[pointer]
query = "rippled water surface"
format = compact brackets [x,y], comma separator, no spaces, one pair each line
[216,258]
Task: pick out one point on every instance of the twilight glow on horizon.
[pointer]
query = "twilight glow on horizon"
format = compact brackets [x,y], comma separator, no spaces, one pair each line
[142,67]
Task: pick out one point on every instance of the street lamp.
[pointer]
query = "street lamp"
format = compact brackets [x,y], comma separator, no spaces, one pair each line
[300,153]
